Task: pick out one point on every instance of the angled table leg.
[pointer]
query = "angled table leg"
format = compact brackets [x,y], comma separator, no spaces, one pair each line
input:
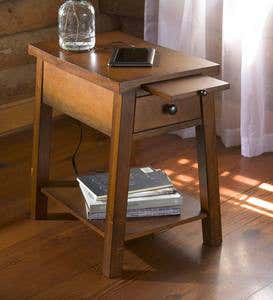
[120,154]
[208,172]
[41,148]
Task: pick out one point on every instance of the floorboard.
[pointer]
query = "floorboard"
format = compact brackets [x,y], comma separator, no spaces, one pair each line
[61,258]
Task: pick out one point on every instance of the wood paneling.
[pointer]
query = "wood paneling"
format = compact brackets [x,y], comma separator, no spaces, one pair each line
[16,77]
[16,115]
[13,48]
[17,82]
[26,15]
[123,7]
[23,22]
[134,26]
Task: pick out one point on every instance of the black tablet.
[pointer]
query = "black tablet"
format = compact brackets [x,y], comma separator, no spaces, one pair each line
[132,57]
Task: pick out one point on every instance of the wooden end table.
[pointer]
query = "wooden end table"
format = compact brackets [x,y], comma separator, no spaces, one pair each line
[126,104]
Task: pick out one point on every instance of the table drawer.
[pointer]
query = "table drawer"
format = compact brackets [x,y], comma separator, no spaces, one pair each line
[154,112]
[173,101]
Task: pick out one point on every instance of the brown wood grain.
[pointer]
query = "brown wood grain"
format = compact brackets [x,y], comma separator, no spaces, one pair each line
[133,26]
[17,82]
[166,129]
[26,15]
[79,98]
[119,169]
[208,173]
[170,265]
[131,9]
[72,198]
[16,115]
[13,48]
[185,87]
[93,66]
[81,85]
[41,148]
[151,112]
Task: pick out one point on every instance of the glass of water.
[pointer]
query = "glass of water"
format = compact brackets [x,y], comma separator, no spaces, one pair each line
[76,22]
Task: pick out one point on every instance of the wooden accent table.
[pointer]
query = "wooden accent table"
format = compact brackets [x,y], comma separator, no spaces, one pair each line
[126,104]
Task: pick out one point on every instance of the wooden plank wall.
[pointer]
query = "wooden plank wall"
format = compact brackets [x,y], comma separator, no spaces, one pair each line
[23,22]
[130,13]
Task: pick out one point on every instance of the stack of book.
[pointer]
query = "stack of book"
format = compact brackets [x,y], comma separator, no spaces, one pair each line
[151,193]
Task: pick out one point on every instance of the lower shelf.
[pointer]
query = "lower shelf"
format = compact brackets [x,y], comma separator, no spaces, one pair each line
[71,198]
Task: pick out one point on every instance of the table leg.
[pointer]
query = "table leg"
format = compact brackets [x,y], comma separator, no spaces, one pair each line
[120,154]
[41,148]
[208,172]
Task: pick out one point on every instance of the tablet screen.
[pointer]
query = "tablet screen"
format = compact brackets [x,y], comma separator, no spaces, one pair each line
[132,57]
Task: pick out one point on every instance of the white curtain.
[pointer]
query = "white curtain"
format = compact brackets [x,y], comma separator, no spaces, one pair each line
[239,35]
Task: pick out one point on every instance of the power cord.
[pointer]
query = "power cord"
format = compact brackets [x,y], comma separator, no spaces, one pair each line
[74,156]
[110,46]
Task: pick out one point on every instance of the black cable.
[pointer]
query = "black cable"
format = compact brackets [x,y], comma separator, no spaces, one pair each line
[73,159]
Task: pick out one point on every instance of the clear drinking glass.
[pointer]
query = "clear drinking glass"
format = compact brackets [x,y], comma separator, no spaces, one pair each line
[77,25]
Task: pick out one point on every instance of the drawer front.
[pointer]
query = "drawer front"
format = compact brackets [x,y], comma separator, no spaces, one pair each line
[154,112]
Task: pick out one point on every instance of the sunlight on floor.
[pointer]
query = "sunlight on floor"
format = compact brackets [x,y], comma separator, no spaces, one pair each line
[267,187]
[169,172]
[183,161]
[230,193]
[260,203]
[184,178]
[257,210]
[246,180]
[255,204]
[234,196]
[225,174]
[195,165]
[177,183]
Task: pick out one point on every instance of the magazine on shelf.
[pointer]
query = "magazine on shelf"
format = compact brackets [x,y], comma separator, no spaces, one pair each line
[151,194]
[146,180]
[136,213]
[158,201]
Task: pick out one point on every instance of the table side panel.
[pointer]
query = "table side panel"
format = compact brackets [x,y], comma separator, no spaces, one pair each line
[78,98]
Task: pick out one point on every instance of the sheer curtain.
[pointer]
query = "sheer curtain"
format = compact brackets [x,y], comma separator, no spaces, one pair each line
[239,35]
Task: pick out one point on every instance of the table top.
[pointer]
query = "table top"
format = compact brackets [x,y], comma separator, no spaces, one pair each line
[92,65]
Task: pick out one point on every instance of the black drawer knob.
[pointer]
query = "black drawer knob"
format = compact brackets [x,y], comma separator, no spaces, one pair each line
[171,109]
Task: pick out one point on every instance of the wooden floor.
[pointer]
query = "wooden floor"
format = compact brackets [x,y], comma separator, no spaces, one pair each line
[60,258]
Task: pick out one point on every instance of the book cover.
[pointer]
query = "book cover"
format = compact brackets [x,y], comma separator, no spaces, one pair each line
[141,180]
[141,213]
[174,199]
